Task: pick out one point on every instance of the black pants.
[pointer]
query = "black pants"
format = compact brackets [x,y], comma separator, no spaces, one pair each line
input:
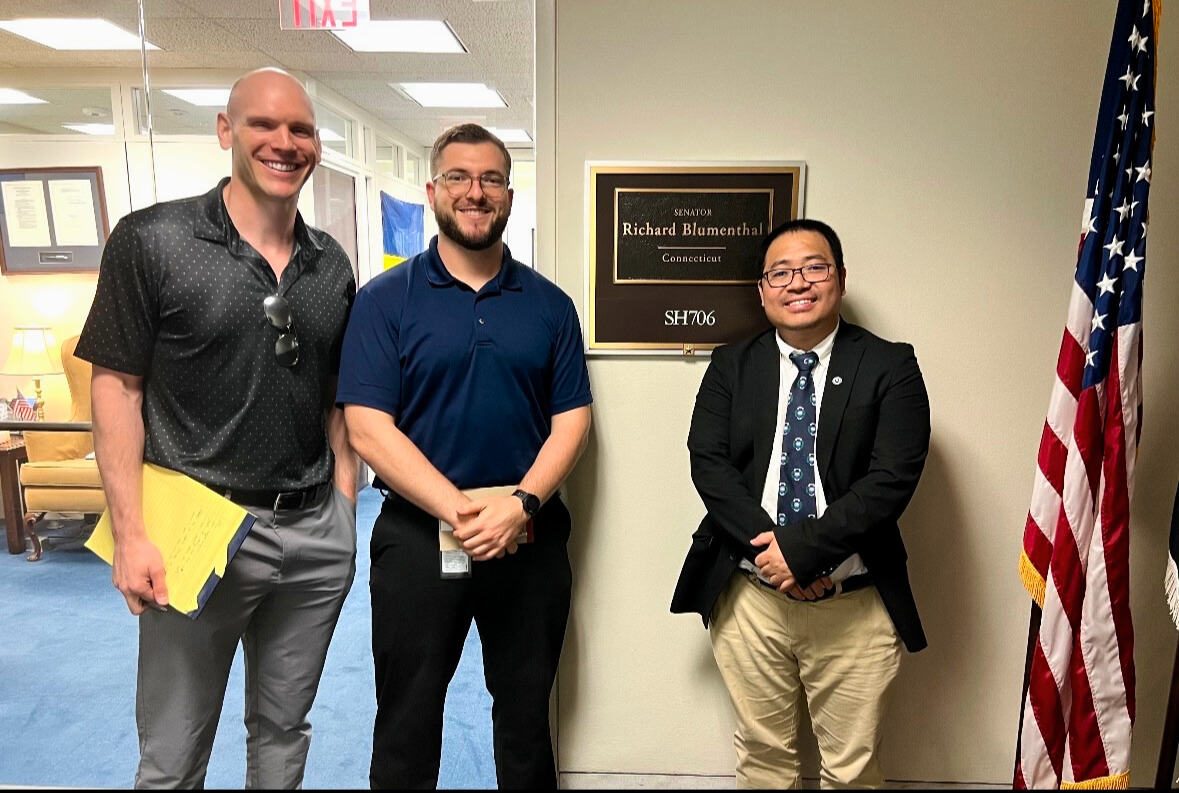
[520,605]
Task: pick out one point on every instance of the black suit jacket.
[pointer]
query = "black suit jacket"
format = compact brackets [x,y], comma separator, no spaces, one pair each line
[872,442]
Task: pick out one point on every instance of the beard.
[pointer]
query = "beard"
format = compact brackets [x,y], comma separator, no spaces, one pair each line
[449,227]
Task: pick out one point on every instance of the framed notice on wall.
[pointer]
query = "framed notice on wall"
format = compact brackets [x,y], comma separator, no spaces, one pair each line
[52,220]
[673,249]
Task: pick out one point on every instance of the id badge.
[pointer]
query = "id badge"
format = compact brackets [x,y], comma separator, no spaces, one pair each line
[452,559]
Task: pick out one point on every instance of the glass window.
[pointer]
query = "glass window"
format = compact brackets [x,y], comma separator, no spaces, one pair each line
[388,158]
[57,111]
[335,209]
[180,111]
[335,131]
[413,169]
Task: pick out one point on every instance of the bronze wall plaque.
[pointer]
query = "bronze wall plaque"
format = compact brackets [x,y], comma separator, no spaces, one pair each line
[673,251]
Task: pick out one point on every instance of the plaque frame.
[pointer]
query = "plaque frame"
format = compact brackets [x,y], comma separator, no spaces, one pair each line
[55,257]
[714,311]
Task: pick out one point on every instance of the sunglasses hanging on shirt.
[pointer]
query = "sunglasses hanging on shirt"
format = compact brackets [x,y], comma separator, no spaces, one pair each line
[278,314]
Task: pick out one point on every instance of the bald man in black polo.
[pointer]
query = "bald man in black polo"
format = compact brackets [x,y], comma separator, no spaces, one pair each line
[215,337]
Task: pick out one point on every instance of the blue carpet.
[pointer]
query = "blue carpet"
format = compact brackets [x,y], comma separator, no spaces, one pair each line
[67,685]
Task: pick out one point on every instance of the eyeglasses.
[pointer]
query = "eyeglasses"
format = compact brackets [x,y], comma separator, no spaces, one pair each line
[458,183]
[811,273]
[278,314]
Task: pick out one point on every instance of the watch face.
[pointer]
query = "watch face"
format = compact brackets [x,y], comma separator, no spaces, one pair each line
[531,502]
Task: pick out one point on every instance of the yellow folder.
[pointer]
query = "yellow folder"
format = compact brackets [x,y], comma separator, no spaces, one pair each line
[196,530]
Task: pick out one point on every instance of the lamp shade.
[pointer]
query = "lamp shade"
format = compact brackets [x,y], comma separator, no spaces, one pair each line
[30,352]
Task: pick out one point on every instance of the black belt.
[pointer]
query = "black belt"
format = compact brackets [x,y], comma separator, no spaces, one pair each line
[276,500]
[849,584]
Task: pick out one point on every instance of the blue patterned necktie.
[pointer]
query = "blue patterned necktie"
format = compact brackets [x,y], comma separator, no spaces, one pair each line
[796,486]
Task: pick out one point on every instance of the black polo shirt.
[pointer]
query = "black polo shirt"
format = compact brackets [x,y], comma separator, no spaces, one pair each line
[179,302]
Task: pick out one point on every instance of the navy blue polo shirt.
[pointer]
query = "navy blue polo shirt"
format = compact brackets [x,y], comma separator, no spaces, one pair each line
[472,378]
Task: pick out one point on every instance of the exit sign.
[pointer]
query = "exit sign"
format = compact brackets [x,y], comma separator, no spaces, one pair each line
[321,14]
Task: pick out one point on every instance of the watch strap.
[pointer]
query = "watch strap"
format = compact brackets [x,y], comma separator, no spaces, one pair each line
[531,503]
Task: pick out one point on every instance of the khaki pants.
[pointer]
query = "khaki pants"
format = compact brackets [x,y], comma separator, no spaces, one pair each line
[841,653]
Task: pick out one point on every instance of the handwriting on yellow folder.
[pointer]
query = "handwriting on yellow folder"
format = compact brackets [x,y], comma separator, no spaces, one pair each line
[196,530]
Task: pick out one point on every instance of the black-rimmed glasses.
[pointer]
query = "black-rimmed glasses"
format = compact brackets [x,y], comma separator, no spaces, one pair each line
[458,183]
[278,314]
[811,273]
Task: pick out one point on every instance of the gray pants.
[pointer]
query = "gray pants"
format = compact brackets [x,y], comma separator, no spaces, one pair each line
[281,596]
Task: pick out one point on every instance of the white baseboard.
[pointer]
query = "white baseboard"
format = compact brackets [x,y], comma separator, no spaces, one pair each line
[577,780]
[586,781]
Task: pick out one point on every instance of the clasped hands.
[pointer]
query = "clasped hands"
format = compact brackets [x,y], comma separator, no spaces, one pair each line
[773,568]
[488,528]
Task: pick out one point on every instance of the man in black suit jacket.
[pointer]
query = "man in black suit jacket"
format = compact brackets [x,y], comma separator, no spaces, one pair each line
[806,598]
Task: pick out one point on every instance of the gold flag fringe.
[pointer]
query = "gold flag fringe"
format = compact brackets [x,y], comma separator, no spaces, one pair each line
[1115,782]
[1033,582]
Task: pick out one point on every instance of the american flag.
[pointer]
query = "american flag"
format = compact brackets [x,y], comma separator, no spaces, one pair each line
[1079,709]
[23,409]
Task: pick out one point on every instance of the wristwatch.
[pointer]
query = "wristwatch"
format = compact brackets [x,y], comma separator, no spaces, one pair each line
[531,503]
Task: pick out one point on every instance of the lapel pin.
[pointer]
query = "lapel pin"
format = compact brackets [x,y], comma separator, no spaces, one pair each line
[836,380]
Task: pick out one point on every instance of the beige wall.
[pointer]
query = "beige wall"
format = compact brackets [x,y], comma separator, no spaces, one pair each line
[948,144]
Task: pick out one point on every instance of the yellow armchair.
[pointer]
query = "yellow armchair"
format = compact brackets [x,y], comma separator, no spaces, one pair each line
[59,476]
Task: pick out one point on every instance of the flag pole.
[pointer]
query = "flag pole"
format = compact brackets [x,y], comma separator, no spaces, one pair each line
[1162,779]
[1033,637]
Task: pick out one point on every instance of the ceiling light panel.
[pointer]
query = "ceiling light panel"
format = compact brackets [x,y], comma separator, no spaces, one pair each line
[74,34]
[11,96]
[398,35]
[92,129]
[511,135]
[451,94]
[201,97]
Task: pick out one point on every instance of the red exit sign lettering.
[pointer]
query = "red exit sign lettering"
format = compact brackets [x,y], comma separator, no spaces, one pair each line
[321,14]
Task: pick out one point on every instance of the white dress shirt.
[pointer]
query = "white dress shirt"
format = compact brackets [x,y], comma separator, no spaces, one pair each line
[853,565]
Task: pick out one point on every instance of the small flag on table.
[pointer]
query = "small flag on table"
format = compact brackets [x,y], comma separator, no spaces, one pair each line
[23,408]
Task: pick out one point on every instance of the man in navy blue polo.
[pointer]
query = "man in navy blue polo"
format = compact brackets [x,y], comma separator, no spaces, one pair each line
[463,369]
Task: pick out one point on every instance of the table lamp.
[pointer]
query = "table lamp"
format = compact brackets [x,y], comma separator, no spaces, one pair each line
[29,356]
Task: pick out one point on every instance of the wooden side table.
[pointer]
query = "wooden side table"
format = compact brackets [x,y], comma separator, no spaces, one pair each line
[12,454]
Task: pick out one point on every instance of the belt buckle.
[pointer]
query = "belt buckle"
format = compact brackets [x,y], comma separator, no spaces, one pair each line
[835,590]
[294,496]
